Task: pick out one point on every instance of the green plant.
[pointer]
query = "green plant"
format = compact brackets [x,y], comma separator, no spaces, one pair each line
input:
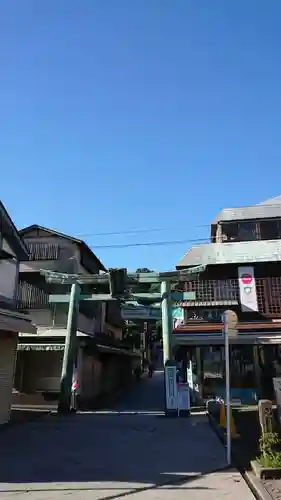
[269,456]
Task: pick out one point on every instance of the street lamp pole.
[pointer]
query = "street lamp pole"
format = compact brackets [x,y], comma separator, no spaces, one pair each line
[230,330]
[227,389]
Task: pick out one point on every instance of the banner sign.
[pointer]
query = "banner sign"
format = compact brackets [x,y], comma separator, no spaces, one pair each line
[247,289]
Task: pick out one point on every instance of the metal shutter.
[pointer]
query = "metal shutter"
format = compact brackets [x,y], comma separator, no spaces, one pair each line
[42,371]
[8,352]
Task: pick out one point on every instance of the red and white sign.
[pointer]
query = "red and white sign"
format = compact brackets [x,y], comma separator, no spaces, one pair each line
[246,279]
[247,289]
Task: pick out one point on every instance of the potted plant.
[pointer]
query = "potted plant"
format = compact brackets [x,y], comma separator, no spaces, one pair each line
[268,464]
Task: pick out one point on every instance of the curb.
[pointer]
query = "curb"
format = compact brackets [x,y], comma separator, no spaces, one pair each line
[256,486]
[216,429]
[253,483]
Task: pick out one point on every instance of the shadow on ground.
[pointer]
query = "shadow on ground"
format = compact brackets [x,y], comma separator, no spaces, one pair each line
[246,447]
[117,452]
[116,448]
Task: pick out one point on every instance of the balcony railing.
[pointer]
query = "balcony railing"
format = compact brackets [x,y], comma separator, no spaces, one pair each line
[212,293]
[43,251]
[29,296]
[269,296]
[35,299]
[208,293]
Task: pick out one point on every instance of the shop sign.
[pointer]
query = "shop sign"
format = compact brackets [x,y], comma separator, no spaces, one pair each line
[247,289]
[40,347]
[210,315]
[171,387]
[178,316]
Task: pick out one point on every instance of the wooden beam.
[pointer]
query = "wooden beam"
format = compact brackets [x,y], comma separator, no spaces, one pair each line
[182,275]
[64,298]
[176,296]
[146,296]
[104,297]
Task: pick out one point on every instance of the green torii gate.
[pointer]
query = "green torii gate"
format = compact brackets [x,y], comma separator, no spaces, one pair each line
[165,296]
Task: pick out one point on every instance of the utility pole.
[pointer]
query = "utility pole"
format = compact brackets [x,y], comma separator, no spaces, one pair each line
[70,351]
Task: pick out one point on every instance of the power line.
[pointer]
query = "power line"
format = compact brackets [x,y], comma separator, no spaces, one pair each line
[131,231]
[158,229]
[152,243]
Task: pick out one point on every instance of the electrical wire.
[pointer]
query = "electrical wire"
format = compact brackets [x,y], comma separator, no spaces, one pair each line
[152,243]
[130,231]
[152,230]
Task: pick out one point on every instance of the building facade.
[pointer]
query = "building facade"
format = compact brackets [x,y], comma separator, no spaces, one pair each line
[12,319]
[102,360]
[243,273]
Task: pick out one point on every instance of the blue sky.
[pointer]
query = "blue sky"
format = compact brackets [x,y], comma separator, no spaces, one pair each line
[119,115]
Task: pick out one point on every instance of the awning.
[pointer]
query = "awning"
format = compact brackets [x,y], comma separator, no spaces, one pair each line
[60,347]
[116,350]
[15,322]
[40,347]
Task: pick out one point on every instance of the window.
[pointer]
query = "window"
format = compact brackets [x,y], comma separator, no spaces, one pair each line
[229,232]
[270,229]
[247,231]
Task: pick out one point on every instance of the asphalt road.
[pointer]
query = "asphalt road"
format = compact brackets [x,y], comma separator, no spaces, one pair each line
[130,450]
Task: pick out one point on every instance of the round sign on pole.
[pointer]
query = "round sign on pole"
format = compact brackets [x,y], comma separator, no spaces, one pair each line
[247,279]
[232,319]
[230,322]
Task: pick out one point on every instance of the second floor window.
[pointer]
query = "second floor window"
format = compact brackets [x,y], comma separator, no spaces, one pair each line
[247,231]
[240,231]
[251,230]
[270,229]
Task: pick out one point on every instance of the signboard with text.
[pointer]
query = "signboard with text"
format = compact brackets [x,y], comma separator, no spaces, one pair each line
[171,387]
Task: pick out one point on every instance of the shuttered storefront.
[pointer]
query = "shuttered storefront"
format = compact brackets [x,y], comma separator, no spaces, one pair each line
[42,371]
[8,352]
[90,373]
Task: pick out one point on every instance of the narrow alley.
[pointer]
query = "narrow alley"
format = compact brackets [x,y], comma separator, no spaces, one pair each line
[133,450]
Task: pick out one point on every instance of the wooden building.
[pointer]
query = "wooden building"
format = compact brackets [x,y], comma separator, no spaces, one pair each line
[12,320]
[243,273]
[103,361]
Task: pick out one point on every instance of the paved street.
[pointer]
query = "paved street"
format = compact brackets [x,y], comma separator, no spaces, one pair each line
[133,451]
